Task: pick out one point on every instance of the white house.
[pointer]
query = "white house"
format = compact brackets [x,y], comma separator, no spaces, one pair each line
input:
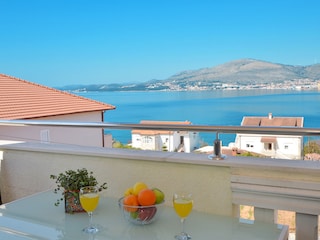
[275,146]
[23,100]
[165,140]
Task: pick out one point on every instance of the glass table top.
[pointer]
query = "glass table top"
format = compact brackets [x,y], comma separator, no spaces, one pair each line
[36,217]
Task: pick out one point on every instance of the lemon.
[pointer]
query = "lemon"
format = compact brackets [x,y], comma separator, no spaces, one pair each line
[128,192]
[137,187]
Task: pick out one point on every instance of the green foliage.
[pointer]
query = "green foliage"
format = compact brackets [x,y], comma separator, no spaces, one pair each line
[246,154]
[118,144]
[251,154]
[311,147]
[73,180]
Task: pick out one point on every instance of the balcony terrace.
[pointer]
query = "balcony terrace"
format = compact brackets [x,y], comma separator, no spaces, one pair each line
[218,186]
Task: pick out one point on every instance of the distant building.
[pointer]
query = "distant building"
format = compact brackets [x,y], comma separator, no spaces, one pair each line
[23,100]
[275,146]
[165,140]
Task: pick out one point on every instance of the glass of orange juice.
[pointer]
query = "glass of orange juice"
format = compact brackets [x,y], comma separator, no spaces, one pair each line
[89,199]
[182,204]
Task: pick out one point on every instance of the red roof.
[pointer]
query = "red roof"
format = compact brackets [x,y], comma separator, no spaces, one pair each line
[271,121]
[20,99]
[157,132]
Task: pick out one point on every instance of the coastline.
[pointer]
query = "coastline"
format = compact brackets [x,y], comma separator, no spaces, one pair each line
[218,107]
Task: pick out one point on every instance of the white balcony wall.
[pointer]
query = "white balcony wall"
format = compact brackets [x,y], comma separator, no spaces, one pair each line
[218,186]
[26,169]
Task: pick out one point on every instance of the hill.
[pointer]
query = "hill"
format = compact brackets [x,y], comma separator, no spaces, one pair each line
[249,71]
[238,74]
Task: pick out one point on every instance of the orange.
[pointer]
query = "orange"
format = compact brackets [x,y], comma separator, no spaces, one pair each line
[130,200]
[146,197]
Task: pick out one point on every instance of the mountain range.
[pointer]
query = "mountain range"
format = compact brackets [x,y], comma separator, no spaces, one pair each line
[235,74]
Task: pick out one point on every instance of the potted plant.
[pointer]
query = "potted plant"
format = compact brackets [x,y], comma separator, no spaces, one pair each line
[70,182]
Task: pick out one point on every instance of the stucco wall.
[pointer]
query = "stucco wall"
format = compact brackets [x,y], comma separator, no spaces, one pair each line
[66,135]
[216,185]
[26,170]
[286,147]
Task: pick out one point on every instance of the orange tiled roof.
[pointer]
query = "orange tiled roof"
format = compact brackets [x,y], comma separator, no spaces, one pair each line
[271,121]
[156,132]
[20,99]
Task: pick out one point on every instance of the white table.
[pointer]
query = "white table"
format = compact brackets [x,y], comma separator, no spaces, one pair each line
[36,217]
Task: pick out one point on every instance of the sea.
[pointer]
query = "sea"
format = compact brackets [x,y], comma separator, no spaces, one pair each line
[218,108]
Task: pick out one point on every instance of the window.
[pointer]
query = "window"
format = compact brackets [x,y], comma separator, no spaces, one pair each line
[45,136]
[147,139]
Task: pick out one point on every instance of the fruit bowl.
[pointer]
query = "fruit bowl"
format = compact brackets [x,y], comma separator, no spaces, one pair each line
[141,215]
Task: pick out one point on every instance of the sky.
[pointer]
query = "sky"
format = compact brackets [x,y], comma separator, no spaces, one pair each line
[67,42]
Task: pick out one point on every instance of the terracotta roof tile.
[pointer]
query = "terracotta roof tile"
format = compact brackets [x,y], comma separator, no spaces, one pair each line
[271,121]
[156,132]
[20,99]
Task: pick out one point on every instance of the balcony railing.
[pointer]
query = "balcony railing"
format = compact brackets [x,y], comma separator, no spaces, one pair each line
[219,187]
[288,131]
[292,131]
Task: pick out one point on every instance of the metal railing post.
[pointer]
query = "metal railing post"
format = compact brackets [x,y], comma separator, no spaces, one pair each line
[217,155]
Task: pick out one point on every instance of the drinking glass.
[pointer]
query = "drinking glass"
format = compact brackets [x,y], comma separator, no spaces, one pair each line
[182,203]
[89,199]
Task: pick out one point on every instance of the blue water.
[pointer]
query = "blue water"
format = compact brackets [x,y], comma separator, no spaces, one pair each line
[217,107]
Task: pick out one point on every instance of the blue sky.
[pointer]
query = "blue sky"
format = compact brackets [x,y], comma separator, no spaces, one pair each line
[65,42]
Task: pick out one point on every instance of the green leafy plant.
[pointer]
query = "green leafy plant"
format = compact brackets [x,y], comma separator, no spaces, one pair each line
[73,180]
[311,147]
